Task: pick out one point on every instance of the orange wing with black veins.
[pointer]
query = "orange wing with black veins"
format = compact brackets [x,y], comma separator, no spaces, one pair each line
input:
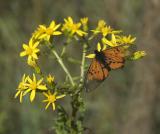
[97,71]
[114,57]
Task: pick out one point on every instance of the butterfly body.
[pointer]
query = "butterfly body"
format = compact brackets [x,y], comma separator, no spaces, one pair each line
[100,57]
[104,61]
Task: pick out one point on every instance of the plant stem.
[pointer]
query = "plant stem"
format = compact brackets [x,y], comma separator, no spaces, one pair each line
[83,64]
[77,102]
[63,66]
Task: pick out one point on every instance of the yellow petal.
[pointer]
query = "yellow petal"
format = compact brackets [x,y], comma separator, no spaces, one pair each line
[80,32]
[32,96]
[44,100]
[72,32]
[52,24]
[34,77]
[25,46]
[29,79]
[24,77]
[34,56]
[43,36]
[47,105]
[43,27]
[113,39]
[35,44]
[91,56]
[21,95]
[60,96]
[54,93]
[132,40]
[53,106]
[104,47]
[57,33]
[56,27]
[99,47]
[117,31]
[36,50]
[23,54]
[107,42]
[30,42]
[45,94]
[16,95]
[28,90]
[70,20]
[42,87]
[40,81]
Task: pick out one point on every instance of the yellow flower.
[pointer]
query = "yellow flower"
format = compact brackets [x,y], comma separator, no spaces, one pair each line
[84,20]
[33,86]
[50,79]
[30,50]
[51,99]
[108,30]
[99,49]
[112,43]
[104,29]
[72,28]
[45,33]
[21,88]
[32,63]
[37,33]
[101,24]
[138,55]
[126,40]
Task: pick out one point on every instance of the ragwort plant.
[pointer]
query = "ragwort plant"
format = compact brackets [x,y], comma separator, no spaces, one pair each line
[73,86]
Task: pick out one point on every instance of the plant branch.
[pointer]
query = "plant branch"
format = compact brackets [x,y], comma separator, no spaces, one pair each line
[63,66]
[83,64]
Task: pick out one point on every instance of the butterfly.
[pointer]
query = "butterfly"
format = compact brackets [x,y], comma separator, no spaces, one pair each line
[103,62]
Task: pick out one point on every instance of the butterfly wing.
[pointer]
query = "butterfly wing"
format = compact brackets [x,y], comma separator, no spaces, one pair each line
[97,72]
[114,57]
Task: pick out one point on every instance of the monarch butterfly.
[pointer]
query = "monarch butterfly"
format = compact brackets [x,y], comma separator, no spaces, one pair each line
[103,62]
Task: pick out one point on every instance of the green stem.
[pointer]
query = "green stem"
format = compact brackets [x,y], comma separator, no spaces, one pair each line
[77,101]
[63,66]
[83,64]
[78,110]
[74,112]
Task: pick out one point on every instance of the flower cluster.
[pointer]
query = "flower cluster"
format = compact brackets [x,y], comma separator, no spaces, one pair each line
[28,85]
[45,36]
[103,29]
[32,85]
[72,28]
[114,38]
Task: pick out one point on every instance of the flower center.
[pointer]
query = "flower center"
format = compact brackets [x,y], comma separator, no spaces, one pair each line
[33,86]
[49,31]
[52,98]
[74,27]
[29,51]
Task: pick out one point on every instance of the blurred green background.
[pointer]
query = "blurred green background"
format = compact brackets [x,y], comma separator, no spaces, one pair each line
[128,102]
